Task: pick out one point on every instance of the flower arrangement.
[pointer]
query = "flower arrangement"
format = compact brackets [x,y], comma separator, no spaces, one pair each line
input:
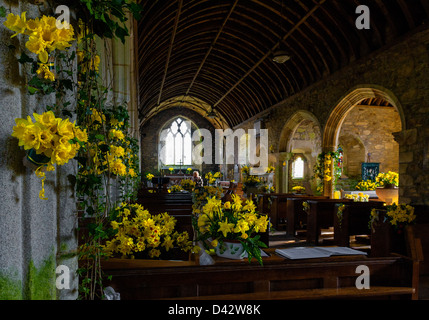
[386,179]
[56,140]
[44,37]
[298,189]
[270,169]
[367,185]
[398,215]
[360,197]
[212,177]
[187,184]
[268,189]
[171,170]
[252,181]
[137,232]
[340,209]
[175,188]
[322,168]
[149,176]
[245,170]
[232,221]
[306,207]
[200,195]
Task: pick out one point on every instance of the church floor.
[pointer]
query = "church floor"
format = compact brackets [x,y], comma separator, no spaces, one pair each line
[279,239]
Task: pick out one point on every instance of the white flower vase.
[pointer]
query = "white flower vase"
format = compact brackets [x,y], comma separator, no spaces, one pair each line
[230,250]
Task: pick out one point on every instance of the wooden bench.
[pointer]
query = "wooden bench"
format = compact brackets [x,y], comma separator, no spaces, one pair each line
[353,220]
[418,245]
[314,294]
[296,217]
[277,279]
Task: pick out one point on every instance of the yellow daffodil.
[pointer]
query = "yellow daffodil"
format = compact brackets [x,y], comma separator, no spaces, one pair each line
[16,23]
[225,227]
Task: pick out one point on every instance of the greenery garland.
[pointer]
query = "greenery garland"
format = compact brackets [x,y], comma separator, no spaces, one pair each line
[322,171]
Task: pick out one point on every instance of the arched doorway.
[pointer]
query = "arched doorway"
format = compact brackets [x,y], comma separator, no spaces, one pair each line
[370,115]
[300,138]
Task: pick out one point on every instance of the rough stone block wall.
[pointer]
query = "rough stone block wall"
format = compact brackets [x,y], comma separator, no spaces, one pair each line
[372,129]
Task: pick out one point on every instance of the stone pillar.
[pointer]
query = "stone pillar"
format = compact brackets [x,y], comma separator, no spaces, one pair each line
[32,231]
[413,166]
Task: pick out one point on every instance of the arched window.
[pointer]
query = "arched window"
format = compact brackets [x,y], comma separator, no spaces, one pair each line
[178,143]
[298,168]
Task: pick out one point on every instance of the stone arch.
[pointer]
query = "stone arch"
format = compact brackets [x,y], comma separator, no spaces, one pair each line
[290,127]
[350,100]
[286,146]
[344,106]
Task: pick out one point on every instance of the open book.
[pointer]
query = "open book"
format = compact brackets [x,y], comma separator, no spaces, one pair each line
[317,252]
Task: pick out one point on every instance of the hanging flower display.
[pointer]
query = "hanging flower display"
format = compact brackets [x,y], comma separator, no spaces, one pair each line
[44,37]
[49,141]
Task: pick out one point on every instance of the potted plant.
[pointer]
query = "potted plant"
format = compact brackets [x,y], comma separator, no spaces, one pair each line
[231,228]
[387,186]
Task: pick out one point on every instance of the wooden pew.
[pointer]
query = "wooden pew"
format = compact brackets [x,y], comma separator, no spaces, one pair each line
[353,220]
[278,210]
[296,217]
[321,216]
[277,279]
[418,246]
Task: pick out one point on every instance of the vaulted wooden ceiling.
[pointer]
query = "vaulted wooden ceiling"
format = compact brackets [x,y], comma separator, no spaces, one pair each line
[217,54]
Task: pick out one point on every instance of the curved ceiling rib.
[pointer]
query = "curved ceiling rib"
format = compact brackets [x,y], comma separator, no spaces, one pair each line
[217,54]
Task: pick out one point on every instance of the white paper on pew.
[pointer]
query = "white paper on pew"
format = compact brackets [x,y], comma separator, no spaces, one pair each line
[316,252]
[342,251]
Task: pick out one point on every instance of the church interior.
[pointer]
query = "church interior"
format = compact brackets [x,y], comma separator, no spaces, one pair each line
[214,150]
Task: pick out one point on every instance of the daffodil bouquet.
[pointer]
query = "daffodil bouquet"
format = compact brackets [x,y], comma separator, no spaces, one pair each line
[53,140]
[232,221]
[398,215]
[175,188]
[298,189]
[367,185]
[187,184]
[200,196]
[45,35]
[138,233]
[389,178]
[251,181]
[212,177]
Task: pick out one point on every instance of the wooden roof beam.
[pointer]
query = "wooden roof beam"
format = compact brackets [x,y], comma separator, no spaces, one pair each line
[170,49]
[295,27]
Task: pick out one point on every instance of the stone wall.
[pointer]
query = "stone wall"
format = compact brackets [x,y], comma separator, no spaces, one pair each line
[370,130]
[33,233]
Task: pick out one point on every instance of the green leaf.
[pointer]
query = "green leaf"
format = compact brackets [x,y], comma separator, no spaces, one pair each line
[25,58]
[2,12]
[32,90]
[100,137]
